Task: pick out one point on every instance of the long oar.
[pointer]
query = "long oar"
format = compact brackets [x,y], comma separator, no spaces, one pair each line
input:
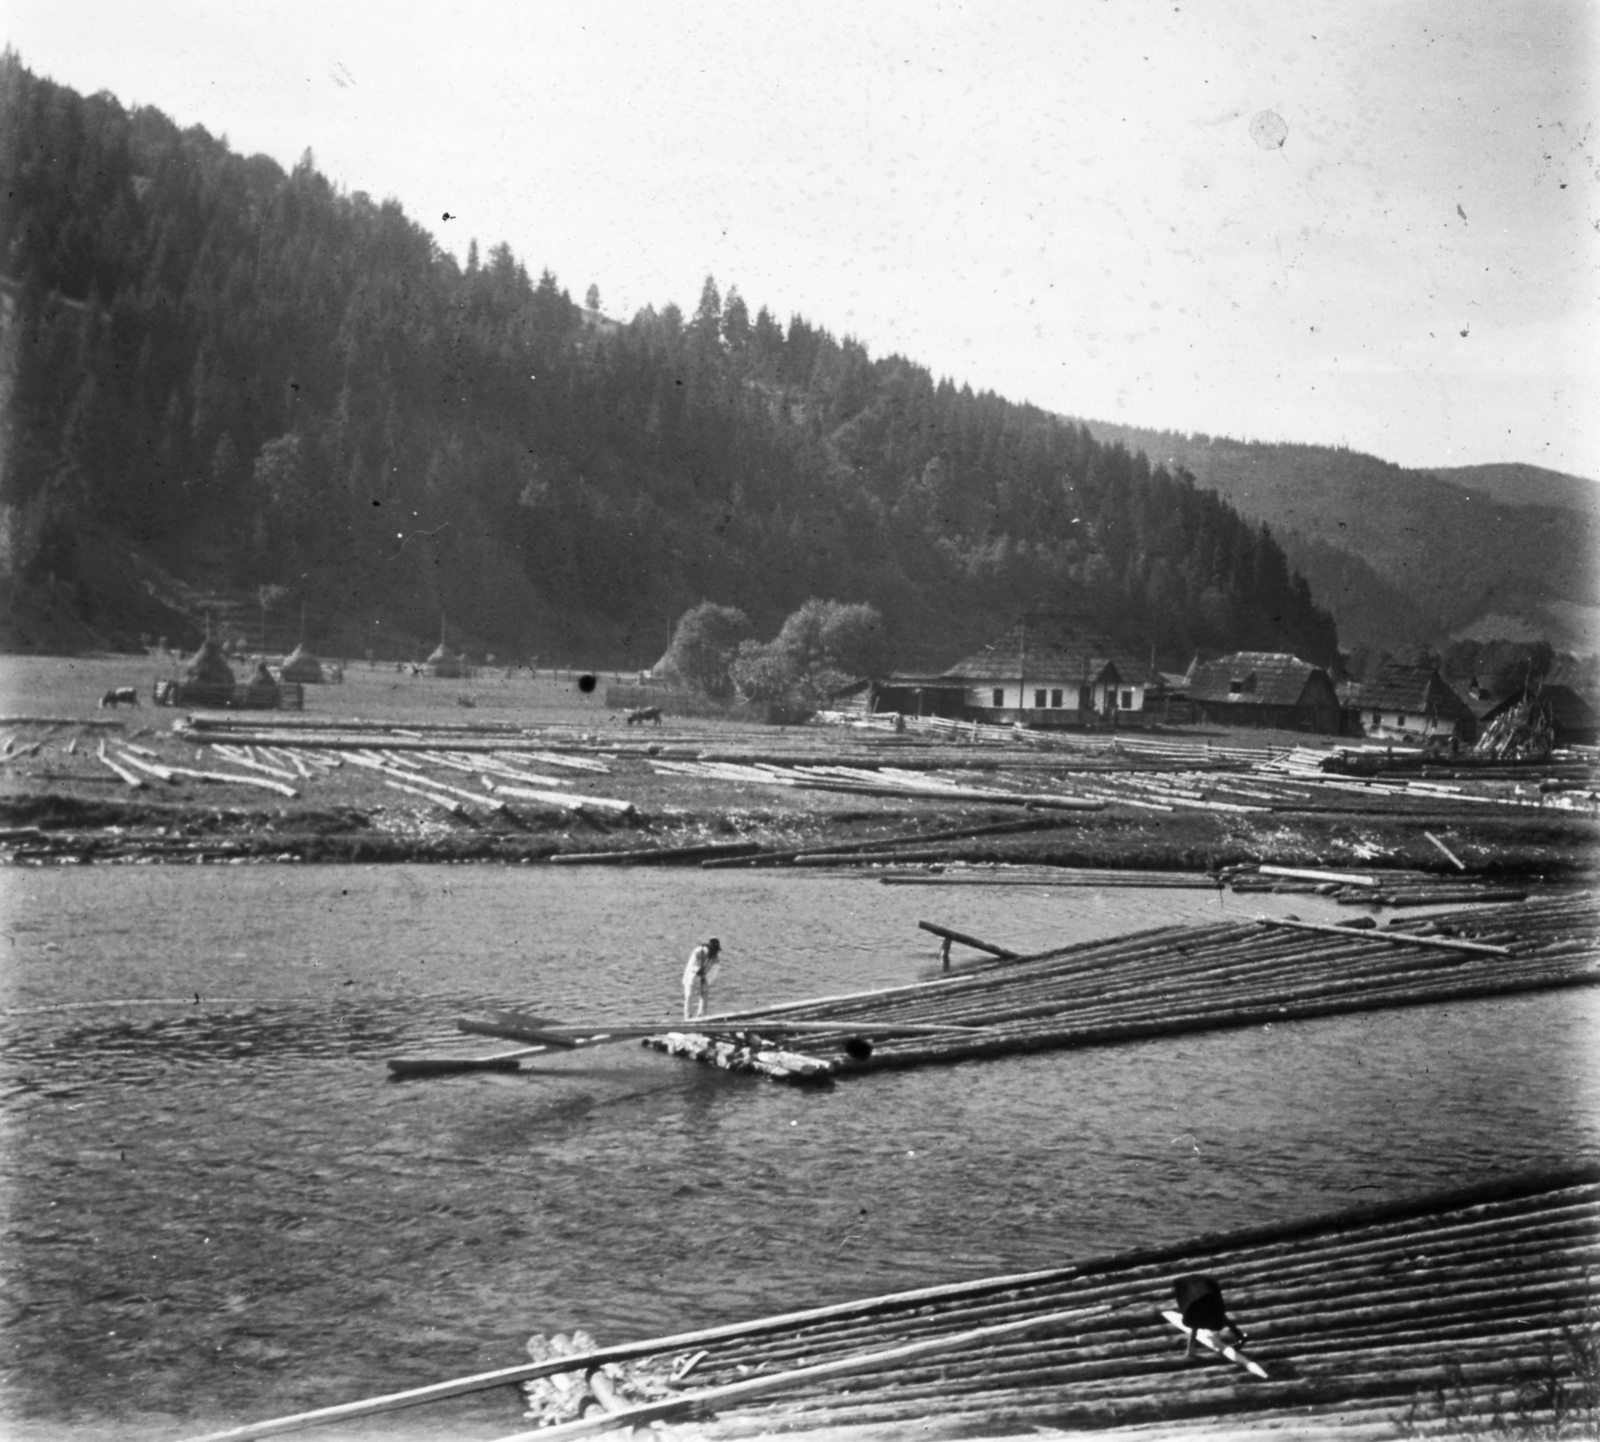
[528,1029]
[574,1034]
[715,1397]
[451,1065]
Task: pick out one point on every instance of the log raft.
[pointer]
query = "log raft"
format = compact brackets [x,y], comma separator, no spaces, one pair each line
[1379,1321]
[1172,980]
[1357,1316]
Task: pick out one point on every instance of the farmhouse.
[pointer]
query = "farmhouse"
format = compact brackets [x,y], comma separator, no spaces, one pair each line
[1045,671]
[1408,702]
[1265,688]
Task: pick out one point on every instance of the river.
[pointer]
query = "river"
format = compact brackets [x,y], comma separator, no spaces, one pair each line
[218,1206]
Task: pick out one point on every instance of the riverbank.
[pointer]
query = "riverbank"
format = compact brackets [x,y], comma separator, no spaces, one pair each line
[515,768]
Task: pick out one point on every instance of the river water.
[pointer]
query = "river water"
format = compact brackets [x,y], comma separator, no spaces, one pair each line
[218,1206]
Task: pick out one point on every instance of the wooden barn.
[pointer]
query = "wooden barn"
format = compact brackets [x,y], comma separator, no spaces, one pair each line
[906,695]
[1410,703]
[1571,719]
[1265,688]
[1046,671]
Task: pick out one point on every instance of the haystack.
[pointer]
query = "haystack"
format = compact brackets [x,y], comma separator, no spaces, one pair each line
[301,665]
[262,686]
[444,662]
[208,665]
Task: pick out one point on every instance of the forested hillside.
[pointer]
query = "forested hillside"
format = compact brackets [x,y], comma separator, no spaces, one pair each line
[252,378]
[1510,548]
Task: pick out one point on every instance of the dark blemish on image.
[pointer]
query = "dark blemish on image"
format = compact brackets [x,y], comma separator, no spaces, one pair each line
[586,683]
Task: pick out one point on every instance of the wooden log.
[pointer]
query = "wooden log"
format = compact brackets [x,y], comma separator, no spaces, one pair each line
[1298,874]
[151,768]
[454,807]
[123,774]
[700,1403]
[1394,937]
[573,800]
[639,856]
[965,940]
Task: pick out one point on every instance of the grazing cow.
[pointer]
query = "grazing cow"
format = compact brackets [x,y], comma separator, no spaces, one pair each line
[119,696]
[1200,1304]
[640,714]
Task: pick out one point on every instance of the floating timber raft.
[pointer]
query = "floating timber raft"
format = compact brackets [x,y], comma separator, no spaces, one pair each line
[1356,1317]
[1170,980]
[1379,1322]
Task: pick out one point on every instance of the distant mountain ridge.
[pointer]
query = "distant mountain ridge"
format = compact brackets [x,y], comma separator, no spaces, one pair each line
[1514,484]
[1401,555]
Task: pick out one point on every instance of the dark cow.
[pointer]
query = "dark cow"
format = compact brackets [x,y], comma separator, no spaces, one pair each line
[1200,1304]
[640,714]
[119,696]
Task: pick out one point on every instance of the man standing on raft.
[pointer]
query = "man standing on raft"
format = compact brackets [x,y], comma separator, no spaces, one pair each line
[703,963]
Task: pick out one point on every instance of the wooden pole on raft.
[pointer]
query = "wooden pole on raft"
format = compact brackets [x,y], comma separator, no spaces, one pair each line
[965,940]
[1396,938]
[573,1034]
[714,1397]
[622,1352]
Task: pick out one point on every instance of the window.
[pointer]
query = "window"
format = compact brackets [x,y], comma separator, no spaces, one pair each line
[1055,697]
[1127,700]
[1038,697]
[1377,720]
[1235,687]
[999,696]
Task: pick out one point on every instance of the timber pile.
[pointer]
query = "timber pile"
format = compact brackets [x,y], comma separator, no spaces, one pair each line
[1356,1319]
[1177,979]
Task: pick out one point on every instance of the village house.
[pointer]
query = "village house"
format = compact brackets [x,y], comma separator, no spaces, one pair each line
[1409,702]
[1265,688]
[1045,671]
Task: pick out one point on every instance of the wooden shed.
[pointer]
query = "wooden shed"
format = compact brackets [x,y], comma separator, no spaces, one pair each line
[1266,688]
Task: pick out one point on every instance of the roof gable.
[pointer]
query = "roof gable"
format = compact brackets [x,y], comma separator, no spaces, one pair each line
[1048,649]
[1258,678]
[1412,690]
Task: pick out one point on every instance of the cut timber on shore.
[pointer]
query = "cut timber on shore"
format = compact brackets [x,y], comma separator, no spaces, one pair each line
[1343,878]
[644,856]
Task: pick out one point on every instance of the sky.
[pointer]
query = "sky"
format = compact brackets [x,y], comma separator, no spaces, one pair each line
[1373,224]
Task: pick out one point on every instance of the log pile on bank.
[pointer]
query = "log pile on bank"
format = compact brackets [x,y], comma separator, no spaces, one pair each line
[1177,979]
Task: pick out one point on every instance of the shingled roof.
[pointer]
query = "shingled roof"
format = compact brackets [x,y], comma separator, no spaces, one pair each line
[1413,690]
[1051,648]
[1260,678]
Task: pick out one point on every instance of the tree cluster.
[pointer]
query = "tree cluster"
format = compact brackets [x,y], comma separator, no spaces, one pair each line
[253,375]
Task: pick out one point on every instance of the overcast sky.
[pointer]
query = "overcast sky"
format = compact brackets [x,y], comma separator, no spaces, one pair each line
[1372,224]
